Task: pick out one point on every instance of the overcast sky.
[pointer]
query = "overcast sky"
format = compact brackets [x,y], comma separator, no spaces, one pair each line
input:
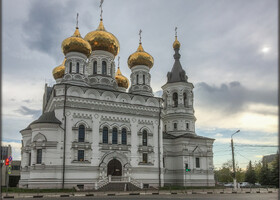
[228,50]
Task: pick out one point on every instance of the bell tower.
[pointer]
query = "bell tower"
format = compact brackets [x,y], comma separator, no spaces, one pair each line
[178,111]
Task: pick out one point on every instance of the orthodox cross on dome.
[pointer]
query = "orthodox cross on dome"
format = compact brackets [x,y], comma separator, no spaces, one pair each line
[175,31]
[101,11]
[140,33]
[77,21]
[118,61]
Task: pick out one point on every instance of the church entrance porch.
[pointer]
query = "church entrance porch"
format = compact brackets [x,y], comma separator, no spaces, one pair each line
[114,168]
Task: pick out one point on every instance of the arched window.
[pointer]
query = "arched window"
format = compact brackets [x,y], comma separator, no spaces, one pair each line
[81,133]
[145,138]
[39,156]
[175,126]
[104,67]
[115,136]
[77,67]
[29,159]
[124,136]
[70,67]
[185,99]
[175,99]
[165,127]
[144,79]
[137,79]
[95,67]
[105,135]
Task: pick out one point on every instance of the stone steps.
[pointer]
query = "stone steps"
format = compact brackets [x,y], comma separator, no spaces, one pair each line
[119,186]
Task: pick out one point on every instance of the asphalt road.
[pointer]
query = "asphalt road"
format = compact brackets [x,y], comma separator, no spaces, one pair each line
[264,196]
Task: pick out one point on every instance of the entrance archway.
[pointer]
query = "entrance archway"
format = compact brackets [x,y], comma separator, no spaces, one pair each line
[114,168]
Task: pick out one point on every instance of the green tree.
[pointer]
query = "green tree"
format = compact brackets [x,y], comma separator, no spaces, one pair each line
[225,174]
[240,175]
[258,168]
[250,175]
[275,172]
[265,174]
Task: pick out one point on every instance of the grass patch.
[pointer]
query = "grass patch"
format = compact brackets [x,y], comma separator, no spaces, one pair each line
[24,190]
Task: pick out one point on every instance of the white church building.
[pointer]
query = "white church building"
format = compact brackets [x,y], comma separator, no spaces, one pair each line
[95,130]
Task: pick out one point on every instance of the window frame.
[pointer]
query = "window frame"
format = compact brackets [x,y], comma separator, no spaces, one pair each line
[104,67]
[175,99]
[114,135]
[81,139]
[175,126]
[94,70]
[145,138]
[70,67]
[185,99]
[144,158]
[77,67]
[81,152]
[39,156]
[29,159]
[124,136]
[197,162]
[105,135]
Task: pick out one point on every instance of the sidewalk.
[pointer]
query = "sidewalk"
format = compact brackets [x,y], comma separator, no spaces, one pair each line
[142,192]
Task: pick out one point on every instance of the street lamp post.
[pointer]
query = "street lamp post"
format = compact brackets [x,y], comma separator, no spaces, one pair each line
[233,162]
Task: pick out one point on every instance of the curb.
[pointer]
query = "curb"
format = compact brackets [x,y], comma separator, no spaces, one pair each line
[134,193]
[64,195]
[89,195]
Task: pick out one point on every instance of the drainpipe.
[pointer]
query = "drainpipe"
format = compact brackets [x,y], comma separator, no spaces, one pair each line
[64,139]
[159,169]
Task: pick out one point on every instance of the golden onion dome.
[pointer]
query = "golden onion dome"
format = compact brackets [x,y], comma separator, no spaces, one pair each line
[58,72]
[122,81]
[140,57]
[76,43]
[100,39]
[176,44]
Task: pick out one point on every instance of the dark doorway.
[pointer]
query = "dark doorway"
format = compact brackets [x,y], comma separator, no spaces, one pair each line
[114,168]
[13,181]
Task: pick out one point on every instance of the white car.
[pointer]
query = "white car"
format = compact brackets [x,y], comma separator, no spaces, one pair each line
[245,184]
[228,184]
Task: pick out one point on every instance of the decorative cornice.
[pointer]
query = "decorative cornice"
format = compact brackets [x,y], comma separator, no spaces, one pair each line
[115,119]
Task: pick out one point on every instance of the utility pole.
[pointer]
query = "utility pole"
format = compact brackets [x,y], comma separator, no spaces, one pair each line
[233,162]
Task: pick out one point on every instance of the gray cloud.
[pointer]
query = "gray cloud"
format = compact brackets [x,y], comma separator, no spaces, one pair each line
[27,111]
[45,26]
[232,97]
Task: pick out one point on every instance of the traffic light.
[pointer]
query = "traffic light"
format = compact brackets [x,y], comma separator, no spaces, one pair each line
[187,168]
[7,162]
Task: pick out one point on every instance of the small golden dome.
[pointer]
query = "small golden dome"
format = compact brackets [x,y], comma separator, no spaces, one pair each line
[140,57]
[76,43]
[58,72]
[122,81]
[100,39]
[176,44]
